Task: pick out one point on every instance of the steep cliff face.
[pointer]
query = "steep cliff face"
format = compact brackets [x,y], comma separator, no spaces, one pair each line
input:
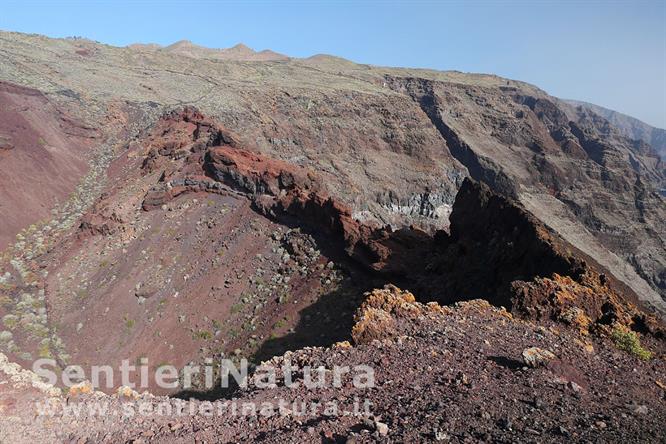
[568,169]
[628,126]
[500,252]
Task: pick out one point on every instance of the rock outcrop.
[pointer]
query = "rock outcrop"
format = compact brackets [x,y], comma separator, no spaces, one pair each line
[500,252]
[653,138]
[496,249]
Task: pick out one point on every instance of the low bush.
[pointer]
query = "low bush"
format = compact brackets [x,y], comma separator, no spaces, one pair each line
[628,341]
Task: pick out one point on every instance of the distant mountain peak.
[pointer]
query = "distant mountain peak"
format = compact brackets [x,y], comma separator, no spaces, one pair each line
[242,47]
[181,44]
[240,51]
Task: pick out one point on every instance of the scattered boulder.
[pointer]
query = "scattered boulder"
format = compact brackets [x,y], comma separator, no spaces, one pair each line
[381,428]
[5,144]
[537,357]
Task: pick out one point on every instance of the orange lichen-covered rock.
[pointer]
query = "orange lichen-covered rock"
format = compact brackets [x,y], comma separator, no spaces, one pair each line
[587,304]
[373,323]
[377,317]
[82,388]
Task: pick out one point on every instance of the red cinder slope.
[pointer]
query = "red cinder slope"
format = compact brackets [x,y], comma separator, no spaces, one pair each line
[48,149]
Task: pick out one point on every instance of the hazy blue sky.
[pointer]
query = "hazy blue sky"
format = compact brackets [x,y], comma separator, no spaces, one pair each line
[612,53]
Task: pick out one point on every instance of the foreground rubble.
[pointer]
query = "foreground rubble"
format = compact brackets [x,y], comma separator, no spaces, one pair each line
[441,374]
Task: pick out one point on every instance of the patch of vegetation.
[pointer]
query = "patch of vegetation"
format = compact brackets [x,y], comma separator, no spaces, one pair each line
[5,301]
[44,350]
[203,335]
[236,308]
[37,330]
[10,321]
[280,324]
[217,325]
[629,342]
[129,323]
[248,326]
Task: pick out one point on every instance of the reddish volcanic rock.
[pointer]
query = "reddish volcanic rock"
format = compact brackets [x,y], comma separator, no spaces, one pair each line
[214,162]
[257,174]
[496,249]
[588,304]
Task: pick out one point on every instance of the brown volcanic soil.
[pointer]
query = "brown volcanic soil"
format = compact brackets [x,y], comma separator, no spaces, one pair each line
[442,374]
[42,157]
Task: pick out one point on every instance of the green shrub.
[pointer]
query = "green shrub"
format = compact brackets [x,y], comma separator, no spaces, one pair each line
[5,301]
[129,323]
[37,330]
[204,335]
[44,351]
[248,326]
[10,321]
[629,342]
